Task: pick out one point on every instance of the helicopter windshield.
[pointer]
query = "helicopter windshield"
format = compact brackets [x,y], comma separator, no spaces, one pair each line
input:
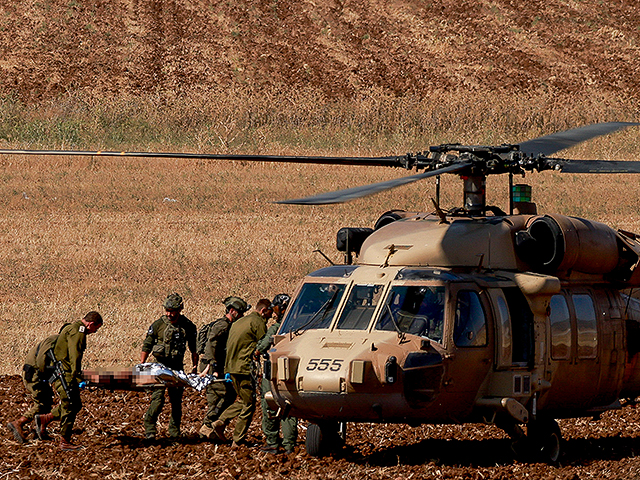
[314,307]
[416,310]
[360,306]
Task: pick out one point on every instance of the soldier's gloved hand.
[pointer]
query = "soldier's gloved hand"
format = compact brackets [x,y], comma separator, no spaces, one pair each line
[227,377]
[82,384]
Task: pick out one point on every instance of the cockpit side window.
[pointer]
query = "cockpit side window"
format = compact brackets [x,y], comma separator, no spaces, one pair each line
[470,329]
[416,310]
[359,308]
[314,307]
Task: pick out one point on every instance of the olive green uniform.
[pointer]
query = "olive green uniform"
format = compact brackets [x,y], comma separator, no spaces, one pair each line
[36,379]
[69,350]
[270,422]
[220,394]
[241,345]
[168,343]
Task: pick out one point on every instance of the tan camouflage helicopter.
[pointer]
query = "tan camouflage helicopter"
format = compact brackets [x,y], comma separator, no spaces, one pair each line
[466,316]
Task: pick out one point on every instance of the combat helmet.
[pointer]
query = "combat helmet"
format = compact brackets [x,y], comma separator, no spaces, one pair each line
[281,300]
[173,302]
[236,302]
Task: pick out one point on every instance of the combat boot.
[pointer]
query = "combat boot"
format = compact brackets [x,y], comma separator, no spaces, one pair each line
[218,430]
[16,429]
[41,425]
[205,431]
[67,446]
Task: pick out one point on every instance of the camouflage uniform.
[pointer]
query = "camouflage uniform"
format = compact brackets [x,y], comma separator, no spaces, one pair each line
[220,394]
[270,422]
[168,343]
[243,337]
[69,350]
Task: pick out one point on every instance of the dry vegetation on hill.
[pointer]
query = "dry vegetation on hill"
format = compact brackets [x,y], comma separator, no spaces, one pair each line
[322,77]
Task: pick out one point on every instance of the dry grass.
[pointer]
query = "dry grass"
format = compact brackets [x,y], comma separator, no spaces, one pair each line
[118,235]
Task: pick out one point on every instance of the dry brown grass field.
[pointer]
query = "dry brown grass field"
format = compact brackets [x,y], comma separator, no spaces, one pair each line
[118,234]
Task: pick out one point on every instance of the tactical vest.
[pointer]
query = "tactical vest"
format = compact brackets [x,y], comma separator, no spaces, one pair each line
[172,344]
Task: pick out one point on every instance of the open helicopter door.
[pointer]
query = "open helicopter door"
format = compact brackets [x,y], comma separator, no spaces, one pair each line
[471,346]
[514,358]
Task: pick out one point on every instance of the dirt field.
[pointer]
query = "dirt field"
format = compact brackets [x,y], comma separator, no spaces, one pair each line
[110,425]
[130,47]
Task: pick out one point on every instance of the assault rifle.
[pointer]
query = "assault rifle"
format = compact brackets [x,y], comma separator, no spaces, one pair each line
[58,373]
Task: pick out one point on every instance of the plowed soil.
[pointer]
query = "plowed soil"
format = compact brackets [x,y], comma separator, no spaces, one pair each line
[342,48]
[110,426]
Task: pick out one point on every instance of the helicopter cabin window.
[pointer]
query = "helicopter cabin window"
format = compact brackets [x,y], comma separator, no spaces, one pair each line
[586,330]
[416,310]
[504,326]
[560,322]
[360,306]
[470,329]
[314,307]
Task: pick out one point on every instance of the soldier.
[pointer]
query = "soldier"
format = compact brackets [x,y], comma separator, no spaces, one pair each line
[219,395]
[66,350]
[167,340]
[270,422]
[243,337]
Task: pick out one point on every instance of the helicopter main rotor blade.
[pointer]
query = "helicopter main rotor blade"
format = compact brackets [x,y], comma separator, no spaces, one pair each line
[550,144]
[596,166]
[341,196]
[392,161]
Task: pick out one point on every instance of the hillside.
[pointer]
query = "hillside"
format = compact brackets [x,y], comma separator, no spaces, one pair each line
[342,48]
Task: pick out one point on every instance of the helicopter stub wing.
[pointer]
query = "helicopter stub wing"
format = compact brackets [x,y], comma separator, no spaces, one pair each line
[341,196]
[550,144]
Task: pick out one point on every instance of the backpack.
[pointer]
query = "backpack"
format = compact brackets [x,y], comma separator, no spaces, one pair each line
[201,340]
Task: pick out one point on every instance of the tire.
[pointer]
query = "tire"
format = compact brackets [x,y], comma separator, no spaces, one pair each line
[313,443]
[545,439]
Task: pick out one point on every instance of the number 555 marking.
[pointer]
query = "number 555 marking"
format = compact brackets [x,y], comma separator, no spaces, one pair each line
[322,364]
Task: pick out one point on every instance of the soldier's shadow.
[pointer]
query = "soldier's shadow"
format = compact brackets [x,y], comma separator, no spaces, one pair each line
[492,452]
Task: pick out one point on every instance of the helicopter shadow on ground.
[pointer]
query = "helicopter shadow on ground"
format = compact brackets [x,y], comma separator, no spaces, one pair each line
[134,442]
[492,452]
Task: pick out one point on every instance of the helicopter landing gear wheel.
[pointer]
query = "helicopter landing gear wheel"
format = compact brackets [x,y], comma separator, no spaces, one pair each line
[314,443]
[325,437]
[545,439]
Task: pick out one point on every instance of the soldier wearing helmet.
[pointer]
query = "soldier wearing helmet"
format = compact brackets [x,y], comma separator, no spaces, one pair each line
[270,422]
[219,395]
[167,340]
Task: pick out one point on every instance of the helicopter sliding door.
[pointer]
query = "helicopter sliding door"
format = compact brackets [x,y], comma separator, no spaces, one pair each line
[573,354]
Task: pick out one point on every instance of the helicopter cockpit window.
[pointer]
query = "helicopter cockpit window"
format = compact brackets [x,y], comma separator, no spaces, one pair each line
[360,306]
[417,310]
[470,329]
[314,307]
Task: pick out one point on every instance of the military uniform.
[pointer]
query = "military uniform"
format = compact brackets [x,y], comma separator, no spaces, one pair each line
[220,394]
[168,343]
[36,380]
[241,345]
[270,422]
[69,349]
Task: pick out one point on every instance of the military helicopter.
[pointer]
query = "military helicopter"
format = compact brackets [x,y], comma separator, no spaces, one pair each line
[471,315]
